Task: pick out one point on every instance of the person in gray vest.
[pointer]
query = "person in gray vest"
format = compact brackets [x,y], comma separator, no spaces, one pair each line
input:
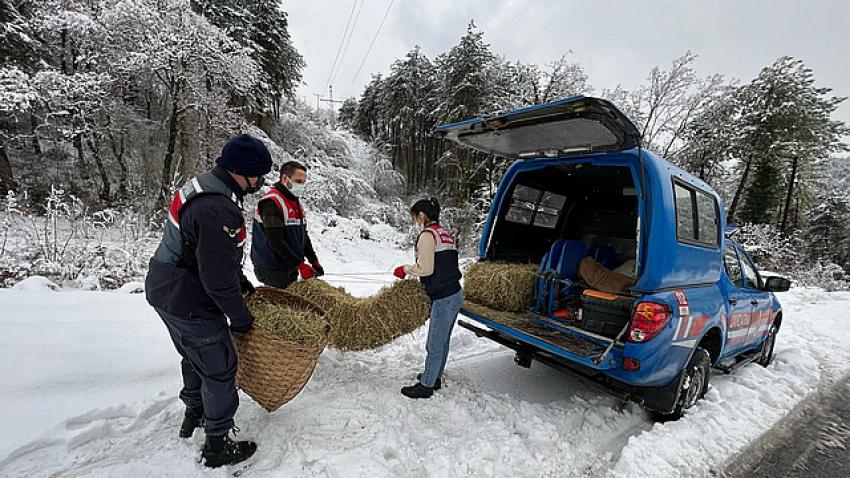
[437,269]
[195,283]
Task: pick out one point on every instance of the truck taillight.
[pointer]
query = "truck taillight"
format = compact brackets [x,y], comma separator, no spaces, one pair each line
[648,320]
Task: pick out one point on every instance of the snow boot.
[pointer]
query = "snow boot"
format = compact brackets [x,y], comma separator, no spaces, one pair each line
[192,419]
[222,450]
[437,385]
[417,391]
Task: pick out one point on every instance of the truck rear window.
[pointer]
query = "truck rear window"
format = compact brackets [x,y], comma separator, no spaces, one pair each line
[530,206]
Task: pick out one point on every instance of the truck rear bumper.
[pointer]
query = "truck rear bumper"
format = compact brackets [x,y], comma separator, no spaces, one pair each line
[528,349]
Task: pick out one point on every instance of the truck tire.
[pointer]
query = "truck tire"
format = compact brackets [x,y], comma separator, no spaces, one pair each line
[693,385]
[766,354]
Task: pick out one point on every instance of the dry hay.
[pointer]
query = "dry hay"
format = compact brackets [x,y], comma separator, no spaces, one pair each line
[369,322]
[508,319]
[294,322]
[501,285]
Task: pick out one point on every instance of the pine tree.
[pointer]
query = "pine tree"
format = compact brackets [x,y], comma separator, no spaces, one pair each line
[785,126]
[20,43]
[348,113]
[261,26]
[709,140]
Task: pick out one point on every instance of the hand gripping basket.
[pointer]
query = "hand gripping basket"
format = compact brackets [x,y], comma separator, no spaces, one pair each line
[273,370]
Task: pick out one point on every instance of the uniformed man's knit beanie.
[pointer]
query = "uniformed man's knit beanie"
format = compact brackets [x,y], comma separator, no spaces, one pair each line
[245,155]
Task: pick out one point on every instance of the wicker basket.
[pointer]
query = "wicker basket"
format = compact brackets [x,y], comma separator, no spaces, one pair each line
[273,370]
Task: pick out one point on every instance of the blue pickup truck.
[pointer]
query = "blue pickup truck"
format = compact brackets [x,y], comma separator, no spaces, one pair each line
[582,185]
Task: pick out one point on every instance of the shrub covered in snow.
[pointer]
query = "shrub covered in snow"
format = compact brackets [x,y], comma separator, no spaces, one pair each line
[786,255]
[62,240]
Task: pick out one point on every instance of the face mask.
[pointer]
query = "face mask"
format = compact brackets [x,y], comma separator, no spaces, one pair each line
[295,188]
[255,188]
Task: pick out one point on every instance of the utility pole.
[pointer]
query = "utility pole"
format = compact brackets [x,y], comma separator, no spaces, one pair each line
[331,101]
[318,97]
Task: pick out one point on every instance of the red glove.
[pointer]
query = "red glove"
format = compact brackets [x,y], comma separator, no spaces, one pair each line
[306,271]
[399,272]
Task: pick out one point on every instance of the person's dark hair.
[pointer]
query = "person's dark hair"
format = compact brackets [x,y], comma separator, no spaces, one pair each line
[288,168]
[431,208]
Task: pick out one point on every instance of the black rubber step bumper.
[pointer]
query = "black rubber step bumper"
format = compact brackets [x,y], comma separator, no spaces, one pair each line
[658,399]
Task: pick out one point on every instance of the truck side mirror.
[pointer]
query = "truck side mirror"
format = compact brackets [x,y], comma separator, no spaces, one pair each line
[777,284]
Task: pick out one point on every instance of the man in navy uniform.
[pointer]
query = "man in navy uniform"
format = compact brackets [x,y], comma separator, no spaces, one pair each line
[195,283]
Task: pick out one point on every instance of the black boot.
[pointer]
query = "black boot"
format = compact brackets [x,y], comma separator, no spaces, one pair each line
[417,391]
[437,385]
[222,450]
[192,419]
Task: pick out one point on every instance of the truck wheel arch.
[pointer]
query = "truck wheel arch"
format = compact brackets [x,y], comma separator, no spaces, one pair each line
[712,342]
[777,322]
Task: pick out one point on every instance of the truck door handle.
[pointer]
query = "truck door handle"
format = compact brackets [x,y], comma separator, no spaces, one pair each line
[733,301]
[754,302]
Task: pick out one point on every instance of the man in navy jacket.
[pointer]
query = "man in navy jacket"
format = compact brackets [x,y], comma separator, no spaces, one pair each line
[195,283]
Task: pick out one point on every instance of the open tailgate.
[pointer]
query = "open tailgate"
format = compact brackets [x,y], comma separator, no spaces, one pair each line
[549,335]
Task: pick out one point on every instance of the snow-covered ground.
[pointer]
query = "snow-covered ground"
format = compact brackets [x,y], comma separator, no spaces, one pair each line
[89,384]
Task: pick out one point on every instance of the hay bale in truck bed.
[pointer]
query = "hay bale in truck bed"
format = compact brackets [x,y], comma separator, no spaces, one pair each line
[369,322]
[501,285]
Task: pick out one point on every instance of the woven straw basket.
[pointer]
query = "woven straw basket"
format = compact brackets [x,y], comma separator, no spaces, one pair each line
[273,370]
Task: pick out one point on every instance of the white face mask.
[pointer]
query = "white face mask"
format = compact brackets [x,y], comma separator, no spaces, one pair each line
[295,188]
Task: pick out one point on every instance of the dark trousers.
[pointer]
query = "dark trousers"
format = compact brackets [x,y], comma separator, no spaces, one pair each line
[208,366]
[276,278]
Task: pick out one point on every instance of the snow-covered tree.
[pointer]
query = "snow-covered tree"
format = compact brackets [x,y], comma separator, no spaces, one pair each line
[262,27]
[785,123]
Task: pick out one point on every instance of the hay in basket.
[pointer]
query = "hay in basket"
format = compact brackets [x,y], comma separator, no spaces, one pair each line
[369,322]
[501,285]
[278,355]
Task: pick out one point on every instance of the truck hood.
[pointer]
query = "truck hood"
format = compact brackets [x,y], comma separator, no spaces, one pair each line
[579,124]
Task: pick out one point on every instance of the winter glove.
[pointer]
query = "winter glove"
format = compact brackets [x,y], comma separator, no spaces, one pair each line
[243,328]
[399,272]
[306,271]
[246,286]
[320,271]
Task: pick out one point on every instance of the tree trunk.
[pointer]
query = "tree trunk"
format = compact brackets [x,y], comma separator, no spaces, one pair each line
[106,189]
[795,161]
[7,181]
[738,192]
[165,179]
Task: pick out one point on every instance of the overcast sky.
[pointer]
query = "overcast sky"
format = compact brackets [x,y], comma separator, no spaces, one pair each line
[617,42]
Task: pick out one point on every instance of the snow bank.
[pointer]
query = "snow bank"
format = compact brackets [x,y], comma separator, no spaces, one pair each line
[36,284]
[813,345]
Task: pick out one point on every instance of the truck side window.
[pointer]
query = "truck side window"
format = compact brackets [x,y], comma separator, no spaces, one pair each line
[733,267]
[752,280]
[708,218]
[685,227]
[697,216]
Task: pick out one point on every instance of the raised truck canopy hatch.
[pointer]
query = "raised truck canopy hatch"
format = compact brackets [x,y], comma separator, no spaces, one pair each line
[575,125]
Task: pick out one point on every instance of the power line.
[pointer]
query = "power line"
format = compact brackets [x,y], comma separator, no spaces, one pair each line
[341,41]
[347,42]
[375,38]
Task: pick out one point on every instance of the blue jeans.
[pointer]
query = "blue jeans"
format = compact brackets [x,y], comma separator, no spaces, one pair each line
[443,314]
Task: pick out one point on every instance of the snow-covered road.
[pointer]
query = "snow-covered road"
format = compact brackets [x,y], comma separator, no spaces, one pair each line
[89,383]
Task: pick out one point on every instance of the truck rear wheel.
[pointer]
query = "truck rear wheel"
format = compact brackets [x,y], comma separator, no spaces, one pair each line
[693,385]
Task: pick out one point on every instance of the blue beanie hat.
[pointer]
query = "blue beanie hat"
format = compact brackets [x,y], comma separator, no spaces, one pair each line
[246,156]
